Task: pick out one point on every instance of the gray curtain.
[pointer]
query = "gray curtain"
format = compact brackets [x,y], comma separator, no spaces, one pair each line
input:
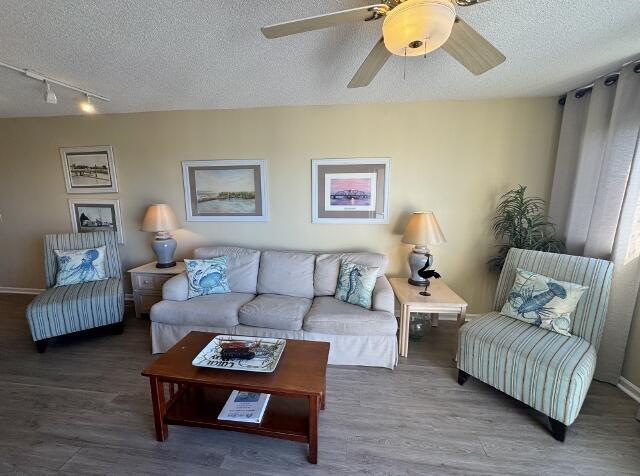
[595,199]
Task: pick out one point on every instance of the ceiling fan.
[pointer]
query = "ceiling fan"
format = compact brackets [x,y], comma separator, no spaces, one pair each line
[410,28]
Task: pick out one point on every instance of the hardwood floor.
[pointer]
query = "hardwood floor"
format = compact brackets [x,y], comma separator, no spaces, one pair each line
[83,408]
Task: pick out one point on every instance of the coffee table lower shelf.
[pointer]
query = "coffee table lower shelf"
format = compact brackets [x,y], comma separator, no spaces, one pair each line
[286,417]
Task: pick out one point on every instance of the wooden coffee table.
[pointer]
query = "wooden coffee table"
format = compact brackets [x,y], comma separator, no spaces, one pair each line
[197,395]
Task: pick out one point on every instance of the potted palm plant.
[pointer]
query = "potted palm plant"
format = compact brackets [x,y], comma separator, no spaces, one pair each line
[521,222]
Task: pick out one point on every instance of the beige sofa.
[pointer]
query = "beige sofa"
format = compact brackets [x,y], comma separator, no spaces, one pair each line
[287,295]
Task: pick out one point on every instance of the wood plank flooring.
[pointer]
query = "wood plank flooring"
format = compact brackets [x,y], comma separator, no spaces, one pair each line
[83,408]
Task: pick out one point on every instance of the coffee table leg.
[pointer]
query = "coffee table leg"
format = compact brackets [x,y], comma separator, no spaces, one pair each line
[314,403]
[159,408]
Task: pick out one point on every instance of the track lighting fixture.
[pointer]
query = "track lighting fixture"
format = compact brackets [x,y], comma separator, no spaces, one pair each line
[49,95]
[86,106]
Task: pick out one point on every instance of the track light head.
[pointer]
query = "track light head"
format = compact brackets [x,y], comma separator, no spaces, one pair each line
[86,106]
[49,95]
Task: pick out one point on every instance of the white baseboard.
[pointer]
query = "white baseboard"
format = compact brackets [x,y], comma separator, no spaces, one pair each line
[630,389]
[11,290]
[34,291]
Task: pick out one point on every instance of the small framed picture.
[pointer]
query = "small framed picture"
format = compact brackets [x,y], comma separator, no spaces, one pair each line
[89,169]
[350,190]
[96,215]
[226,190]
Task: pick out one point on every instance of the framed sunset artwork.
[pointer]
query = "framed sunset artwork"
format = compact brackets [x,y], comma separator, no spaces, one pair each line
[350,190]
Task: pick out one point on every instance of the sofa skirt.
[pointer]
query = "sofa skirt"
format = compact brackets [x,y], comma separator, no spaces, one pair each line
[370,351]
[165,336]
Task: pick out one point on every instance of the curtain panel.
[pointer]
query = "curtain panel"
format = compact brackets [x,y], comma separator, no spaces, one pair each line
[595,198]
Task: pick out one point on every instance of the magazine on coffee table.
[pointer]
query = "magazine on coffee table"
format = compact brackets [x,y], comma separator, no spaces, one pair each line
[246,407]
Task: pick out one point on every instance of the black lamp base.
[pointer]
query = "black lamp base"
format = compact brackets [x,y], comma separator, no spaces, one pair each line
[166,265]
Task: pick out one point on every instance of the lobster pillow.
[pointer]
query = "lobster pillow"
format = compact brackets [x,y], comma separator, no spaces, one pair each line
[542,301]
[356,283]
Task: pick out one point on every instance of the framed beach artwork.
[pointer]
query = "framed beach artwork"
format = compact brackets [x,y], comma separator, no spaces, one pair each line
[350,190]
[89,169]
[96,215]
[226,190]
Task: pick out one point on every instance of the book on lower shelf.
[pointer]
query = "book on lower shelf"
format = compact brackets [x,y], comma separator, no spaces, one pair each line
[245,407]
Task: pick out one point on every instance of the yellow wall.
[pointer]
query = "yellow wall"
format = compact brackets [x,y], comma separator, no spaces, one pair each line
[631,367]
[452,157]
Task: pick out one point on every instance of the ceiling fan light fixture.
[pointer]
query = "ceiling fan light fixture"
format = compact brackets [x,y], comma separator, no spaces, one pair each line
[416,27]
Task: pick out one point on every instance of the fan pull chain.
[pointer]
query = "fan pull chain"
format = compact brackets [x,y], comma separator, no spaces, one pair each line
[404,69]
[425,48]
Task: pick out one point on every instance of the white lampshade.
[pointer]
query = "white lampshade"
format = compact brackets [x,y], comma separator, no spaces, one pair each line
[159,217]
[416,27]
[423,229]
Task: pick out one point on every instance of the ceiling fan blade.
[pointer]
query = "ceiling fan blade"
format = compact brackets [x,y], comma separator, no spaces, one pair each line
[468,3]
[471,49]
[353,15]
[372,64]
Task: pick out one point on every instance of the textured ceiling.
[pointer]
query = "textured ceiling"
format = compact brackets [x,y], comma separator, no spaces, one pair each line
[151,55]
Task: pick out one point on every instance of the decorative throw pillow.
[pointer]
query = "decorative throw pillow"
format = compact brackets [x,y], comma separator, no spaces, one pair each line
[80,266]
[355,284]
[542,301]
[207,276]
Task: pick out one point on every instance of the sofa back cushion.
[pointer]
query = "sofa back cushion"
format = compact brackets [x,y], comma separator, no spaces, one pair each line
[328,268]
[286,272]
[242,265]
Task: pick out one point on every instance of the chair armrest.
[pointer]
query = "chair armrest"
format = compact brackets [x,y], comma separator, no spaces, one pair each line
[176,288]
[383,298]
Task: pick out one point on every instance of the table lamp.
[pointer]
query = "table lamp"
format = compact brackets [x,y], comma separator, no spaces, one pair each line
[161,220]
[422,230]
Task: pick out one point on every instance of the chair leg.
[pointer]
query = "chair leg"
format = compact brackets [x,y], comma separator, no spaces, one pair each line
[41,345]
[558,429]
[462,377]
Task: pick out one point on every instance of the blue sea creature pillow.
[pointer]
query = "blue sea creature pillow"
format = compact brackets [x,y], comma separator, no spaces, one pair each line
[207,276]
[80,266]
[355,284]
[542,301]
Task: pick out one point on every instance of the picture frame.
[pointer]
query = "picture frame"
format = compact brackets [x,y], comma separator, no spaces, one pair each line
[354,190]
[226,190]
[89,169]
[90,215]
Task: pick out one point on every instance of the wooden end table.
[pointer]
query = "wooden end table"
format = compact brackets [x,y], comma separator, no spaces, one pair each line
[442,300]
[197,395]
[147,281]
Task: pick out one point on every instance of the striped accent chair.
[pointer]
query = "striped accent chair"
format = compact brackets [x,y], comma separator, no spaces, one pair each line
[77,307]
[545,370]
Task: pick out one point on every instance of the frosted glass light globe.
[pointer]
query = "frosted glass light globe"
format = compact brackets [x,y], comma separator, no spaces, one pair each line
[418,26]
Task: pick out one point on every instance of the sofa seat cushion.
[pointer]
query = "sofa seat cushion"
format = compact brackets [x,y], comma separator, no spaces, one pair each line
[330,316]
[275,312]
[546,370]
[76,307]
[286,272]
[219,310]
